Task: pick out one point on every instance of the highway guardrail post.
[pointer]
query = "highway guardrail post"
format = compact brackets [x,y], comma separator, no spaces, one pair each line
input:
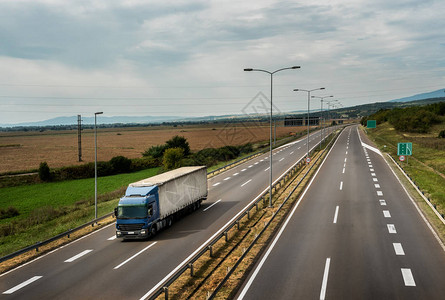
[226,235]
[166,292]
[191,269]
[210,251]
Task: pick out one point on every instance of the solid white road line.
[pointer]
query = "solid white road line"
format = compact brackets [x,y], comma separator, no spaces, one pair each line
[118,266]
[111,238]
[325,279]
[408,277]
[391,228]
[18,287]
[341,185]
[211,205]
[336,215]
[217,183]
[398,249]
[78,256]
[386,214]
[246,182]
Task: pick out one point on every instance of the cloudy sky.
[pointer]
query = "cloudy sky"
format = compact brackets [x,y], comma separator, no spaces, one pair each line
[186,57]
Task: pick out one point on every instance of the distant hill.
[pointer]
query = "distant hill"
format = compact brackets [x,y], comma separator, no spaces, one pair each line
[435,94]
[72,120]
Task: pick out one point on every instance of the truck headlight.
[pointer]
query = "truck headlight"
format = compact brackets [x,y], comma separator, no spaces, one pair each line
[143,231]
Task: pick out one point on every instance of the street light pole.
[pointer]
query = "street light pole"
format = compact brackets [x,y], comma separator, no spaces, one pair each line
[270,140]
[329,112]
[308,104]
[95,163]
[321,114]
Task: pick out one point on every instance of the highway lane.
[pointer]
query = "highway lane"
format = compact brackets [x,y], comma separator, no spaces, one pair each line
[355,234]
[99,266]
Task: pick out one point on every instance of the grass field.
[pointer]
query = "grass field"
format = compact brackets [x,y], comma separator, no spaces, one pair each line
[52,208]
[21,151]
[427,164]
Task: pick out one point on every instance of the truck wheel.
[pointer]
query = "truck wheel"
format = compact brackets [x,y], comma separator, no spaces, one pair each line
[153,230]
[169,222]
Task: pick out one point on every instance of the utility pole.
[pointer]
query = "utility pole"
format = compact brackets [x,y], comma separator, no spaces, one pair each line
[79,135]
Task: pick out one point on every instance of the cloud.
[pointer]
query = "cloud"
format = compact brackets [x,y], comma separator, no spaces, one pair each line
[190,54]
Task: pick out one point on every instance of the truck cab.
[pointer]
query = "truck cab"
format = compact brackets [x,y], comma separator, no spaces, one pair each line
[137,213]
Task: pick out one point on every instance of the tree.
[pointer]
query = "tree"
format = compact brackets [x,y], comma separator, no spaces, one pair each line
[179,142]
[44,171]
[155,151]
[172,158]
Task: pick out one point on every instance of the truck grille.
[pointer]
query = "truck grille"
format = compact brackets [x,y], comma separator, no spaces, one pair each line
[130,227]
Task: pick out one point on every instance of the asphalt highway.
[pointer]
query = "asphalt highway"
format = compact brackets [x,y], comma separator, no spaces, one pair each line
[99,266]
[353,234]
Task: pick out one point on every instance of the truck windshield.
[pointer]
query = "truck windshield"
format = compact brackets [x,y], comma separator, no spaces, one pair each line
[132,212]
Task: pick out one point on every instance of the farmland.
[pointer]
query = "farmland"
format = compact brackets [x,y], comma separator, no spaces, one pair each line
[22,151]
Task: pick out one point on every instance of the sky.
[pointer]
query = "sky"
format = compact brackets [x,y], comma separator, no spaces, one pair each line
[186,57]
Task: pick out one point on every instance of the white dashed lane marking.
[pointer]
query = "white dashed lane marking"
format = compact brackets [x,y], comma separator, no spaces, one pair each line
[398,249]
[408,277]
[391,228]
[246,182]
[386,214]
[78,256]
[22,285]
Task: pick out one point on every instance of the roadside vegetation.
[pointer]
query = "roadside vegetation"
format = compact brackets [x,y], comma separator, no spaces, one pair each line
[422,126]
[57,200]
[37,212]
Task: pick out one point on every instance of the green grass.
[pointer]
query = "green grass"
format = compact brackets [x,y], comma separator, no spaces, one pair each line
[66,193]
[73,201]
[421,166]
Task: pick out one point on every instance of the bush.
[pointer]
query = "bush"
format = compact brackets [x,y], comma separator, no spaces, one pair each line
[155,151]
[120,164]
[8,213]
[44,172]
[143,163]
[442,134]
[172,158]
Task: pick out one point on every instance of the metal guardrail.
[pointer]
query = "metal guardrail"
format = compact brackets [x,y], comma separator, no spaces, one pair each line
[162,287]
[67,233]
[258,236]
[440,216]
[228,166]
[59,236]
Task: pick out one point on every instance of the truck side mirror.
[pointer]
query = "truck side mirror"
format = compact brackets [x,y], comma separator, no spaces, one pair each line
[115,212]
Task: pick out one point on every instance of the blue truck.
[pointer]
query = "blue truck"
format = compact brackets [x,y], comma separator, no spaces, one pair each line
[154,203]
